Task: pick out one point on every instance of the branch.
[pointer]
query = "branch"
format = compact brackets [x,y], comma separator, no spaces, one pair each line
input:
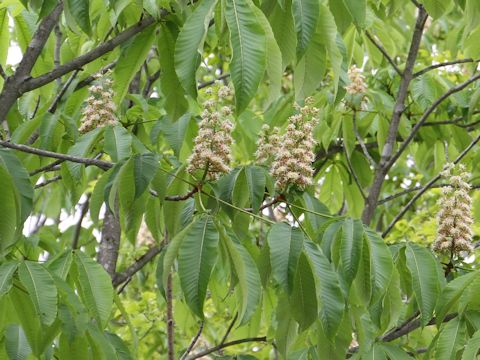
[384,52]
[360,141]
[354,174]
[11,89]
[447,63]
[211,82]
[49,181]
[426,187]
[425,116]
[2,73]
[176,197]
[137,265]
[89,79]
[104,165]
[78,227]
[382,169]
[231,343]
[90,56]
[58,47]
[63,90]
[194,341]
[170,319]
[110,241]
[46,167]
[454,121]
[416,188]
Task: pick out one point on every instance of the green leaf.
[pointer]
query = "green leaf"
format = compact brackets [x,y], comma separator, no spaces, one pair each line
[21,180]
[245,269]
[196,257]
[79,10]
[174,131]
[118,143]
[472,347]
[189,46]
[351,248]
[9,208]
[303,299]
[285,245]
[305,15]
[329,293]
[16,343]
[82,148]
[131,59]
[255,176]
[61,265]
[423,268]
[437,8]
[394,352]
[358,11]
[451,340]
[248,42]
[41,288]
[145,167]
[95,287]
[381,265]
[6,273]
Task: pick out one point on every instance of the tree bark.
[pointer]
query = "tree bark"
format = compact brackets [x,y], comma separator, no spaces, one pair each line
[109,243]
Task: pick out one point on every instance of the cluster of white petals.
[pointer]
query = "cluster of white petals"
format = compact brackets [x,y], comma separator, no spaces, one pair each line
[454,218]
[294,155]
[100,108]
[357,81]
[211,152]
[267,145]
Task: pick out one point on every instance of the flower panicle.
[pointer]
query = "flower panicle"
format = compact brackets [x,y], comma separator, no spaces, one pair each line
[100,108]
[357,81]
[212,145]
[454,233]
[292,164]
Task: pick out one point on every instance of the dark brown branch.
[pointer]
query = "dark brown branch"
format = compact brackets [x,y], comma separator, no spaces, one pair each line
[149,83]
[425,116]
[89,79]
[104,165]
[63,90]
[454,121]
[137,265]
[227,344]
[211,82]
[193,342]
[230,327]
[78,226]
[110,242]
[382,169]
[184,197]
[426,187]
[90,56]
[384,52]
[46,167]
[416,188]
[12,87]
[56,53]
[447,63]
[47,182]
[2,73]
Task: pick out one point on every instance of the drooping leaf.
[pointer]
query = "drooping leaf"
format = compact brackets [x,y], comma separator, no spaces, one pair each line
[255,177]
[351,247]
[61,265]
[358,11]
[82,148]
[473,347]
[16,343]
[248,42]
[452,338]
[422,267]
[79,11]
[196,257]
[305,14]
[41,289]
[118,143]
[9,208]
[285,245]
[95,287]
[189,45]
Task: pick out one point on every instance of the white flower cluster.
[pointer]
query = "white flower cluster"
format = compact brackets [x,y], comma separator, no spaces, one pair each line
[294,156]
[100,109]
[267,145]
[455,219]
[357,81]
[211,152]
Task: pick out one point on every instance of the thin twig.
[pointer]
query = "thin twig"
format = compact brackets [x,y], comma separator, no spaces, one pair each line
[360,141]
[89,79]
[384,52]
[454,121]
[63,90]
[46,167]
[78,226]
[170,319]
[2,73]
[230,327]
[56,53]
[354,174]
[227,344]
[447,63]
[194,341]
[426,187]
[137,265]
[211,82]
[37,105]
[104,165]
[416,188]
[49,181]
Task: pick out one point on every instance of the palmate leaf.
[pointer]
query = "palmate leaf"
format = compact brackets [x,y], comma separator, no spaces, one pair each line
[16,343]
[351,248]
[248,42]
[197,255]
[245,269]
[189,46]
[82,148]
[423,268]
[473,347]
[79,11]
[41,289]
[451,339]
[285,245]
[118,142]
[6,273]
[95,287]
[358,11]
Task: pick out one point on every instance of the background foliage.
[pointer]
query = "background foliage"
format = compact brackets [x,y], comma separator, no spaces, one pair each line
[109,249]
